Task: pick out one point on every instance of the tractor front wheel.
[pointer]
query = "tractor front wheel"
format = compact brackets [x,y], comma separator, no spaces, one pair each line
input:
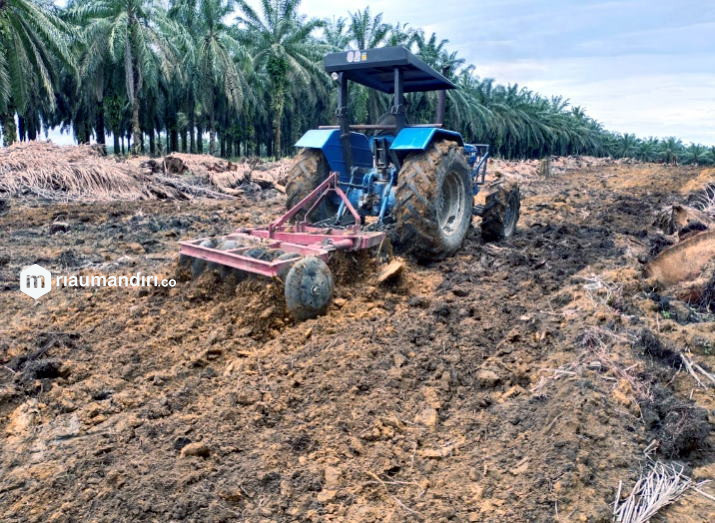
[433,207]
[308,171]
[501,212]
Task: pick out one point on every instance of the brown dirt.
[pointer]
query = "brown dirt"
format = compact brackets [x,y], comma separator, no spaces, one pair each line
[510,382]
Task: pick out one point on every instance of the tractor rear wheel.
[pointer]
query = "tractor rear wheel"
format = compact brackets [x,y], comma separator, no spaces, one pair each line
[433,207]
[308,171]
[501,212]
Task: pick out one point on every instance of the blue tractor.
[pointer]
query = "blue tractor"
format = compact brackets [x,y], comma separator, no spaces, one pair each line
[352,185]
[418,180]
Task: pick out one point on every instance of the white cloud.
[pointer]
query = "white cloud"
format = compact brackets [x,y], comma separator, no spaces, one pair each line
[627,93]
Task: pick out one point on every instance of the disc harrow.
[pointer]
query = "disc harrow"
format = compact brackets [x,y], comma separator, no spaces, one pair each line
[289,249]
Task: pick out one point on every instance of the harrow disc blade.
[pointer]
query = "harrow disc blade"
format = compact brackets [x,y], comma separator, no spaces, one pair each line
[308,288]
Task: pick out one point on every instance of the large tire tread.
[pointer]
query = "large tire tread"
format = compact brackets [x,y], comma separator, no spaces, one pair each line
[418,230]
[308,171]
[503,199]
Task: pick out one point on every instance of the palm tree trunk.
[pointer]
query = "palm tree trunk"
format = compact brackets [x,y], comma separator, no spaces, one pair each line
[199,139]
[9,130]
[190,110]
[134,79]
[152,142]
[212,134]
[32,127]
[21,134]
[277,117]
[101,138]
[374,110]
[183,141]
[136,129]
[174,140]
[82,132]
[279,96]
[212,141]
[115,136]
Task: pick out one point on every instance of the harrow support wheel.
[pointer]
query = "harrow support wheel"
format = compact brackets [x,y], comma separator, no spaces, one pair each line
[501,212]
[434,201]
[309,170]
[308,288]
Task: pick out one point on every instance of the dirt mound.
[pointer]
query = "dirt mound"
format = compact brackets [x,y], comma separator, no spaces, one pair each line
[231,177]
[679,425]
[522,170]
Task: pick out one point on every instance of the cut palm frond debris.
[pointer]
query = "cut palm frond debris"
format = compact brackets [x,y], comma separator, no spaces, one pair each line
[52,172]
[45,169]
[660,485]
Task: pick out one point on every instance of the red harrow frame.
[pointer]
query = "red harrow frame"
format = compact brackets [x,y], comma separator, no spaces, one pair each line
[288,250]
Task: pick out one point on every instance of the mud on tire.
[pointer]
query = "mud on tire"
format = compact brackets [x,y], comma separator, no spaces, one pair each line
[501,212]
[434,201]
[307,172]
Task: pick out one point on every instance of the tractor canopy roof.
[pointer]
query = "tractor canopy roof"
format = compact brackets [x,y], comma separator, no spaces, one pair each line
[375,68]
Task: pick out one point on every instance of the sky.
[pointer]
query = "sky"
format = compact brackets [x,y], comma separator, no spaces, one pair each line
[638,66]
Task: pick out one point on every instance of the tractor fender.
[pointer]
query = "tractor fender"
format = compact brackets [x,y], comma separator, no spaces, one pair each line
[328,141]
[420,138]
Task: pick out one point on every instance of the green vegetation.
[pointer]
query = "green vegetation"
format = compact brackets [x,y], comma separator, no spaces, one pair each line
[163,79]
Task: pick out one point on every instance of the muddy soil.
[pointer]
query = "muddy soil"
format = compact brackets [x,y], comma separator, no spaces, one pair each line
[517,381]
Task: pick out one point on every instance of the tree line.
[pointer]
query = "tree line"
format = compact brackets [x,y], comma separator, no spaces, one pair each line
[220,77]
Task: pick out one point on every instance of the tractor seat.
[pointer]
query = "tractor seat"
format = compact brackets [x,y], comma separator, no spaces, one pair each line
[387,119]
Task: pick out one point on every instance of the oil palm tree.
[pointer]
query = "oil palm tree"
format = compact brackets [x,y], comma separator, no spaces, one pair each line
[213,57]
[430,49]
[367,31]
[135,33]
[282,45]
[671,149]
[696,154]
[256,84]
[627,146]
[400,34]
[336,33]
[648,150]
[34,45]
[467,106]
